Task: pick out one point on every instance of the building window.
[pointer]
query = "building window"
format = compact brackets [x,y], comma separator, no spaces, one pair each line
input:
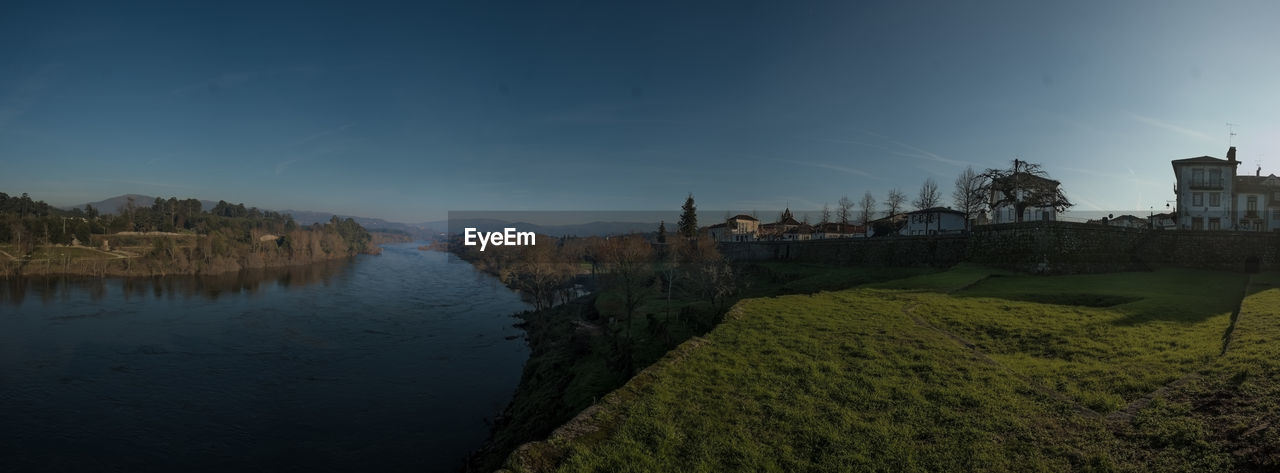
[1214,224]
[1197,177]
[1215,199]
[1197,199]
[1275,215]
[1215,178]
[1251,206]
[1197,223]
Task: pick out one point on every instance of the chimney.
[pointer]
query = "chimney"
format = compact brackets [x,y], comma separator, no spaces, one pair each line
[1231,154]
[1258,173]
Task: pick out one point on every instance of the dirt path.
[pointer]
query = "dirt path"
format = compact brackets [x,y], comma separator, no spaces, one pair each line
[1132,408]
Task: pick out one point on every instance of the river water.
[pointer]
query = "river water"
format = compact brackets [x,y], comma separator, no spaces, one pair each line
[382,363]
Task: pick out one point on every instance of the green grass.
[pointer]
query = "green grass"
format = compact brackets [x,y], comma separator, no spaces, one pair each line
[577,354]
[72,253]
[1227,416]
[1006,373]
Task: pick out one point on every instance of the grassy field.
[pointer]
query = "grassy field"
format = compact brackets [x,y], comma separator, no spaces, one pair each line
[577,356]
[965,370]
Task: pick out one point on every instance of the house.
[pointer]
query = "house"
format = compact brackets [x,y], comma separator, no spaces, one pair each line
[777,230]
[933,221]
[1030,191]
[890,225]
[1257,202]
[826,231]
[1205,190]
[1167,221]
[801,232]
[736,228]
[1126,221]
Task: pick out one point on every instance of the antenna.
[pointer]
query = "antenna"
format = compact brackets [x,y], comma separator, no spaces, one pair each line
[1230,132]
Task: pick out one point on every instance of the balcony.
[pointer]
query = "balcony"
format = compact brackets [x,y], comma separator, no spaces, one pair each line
[1207,185]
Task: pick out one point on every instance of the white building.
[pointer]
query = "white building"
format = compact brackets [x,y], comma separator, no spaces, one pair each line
[1205,191]
[736,228]
[1257,202]
[933,221]
[1024,187]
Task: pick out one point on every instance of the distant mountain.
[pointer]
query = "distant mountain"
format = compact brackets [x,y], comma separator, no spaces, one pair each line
[579,229]
[112,205]
[307,217]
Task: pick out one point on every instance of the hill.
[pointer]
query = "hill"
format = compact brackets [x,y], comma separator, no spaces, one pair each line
[579,229]
[112,205]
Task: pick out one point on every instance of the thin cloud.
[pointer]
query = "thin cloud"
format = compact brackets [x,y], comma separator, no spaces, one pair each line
[167,185]
[1170,127]
[26,94]
[897,148]
[924,154]
[322,134]
[832,167]
[321,150]
[228,80]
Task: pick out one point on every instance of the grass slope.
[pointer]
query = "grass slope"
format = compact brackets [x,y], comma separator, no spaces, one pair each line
[1114,372]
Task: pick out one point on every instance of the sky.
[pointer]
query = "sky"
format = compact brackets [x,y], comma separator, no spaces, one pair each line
[408,111]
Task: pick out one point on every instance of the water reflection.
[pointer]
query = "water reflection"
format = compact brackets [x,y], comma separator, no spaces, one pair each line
[385,363]
[52,289]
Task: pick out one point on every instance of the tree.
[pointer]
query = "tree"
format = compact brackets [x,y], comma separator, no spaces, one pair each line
[968,196]
[928,197]
[1021,186]
[844,209]
[90,212]
[630,263]
[826,214]
[662,232]
[711,274]
[894,201]
[868,208]
[688,218]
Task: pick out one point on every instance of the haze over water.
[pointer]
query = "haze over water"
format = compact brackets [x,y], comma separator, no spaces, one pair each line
[385,363]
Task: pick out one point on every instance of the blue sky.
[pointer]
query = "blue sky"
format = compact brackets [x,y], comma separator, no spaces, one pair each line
[408,111]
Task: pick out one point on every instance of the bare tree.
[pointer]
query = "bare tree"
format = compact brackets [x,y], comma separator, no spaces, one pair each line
[1023,185]
[894,201]
[712,275]
[968,195]
[630,264]
[826,214]
[928,197]
[844,210]
[868,208]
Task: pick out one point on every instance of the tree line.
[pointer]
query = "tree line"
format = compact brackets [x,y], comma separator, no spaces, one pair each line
[227,228]
[1018,186]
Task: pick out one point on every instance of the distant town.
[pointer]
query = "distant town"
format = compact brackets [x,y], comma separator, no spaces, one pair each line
[1210,193]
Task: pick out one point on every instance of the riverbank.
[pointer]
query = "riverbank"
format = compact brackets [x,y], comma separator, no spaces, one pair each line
[134,254]
[577,357]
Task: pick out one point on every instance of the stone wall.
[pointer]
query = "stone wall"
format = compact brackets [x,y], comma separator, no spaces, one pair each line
[891,251]
[1232,251]
[1037,247]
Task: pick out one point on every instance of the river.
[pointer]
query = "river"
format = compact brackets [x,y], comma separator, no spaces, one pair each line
[382,363]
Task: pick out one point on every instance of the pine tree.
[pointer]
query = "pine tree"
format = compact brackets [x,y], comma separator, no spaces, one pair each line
[689,218]
[662,232]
